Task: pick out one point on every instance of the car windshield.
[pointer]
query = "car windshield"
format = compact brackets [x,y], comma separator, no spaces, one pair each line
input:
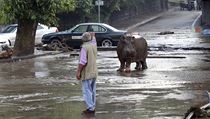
[110,27]
[9,29]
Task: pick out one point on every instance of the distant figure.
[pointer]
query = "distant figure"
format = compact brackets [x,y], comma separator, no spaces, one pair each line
[195,5]
[198,4]
[182,5]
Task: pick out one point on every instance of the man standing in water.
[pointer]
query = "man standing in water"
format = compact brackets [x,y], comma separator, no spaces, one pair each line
[87,71]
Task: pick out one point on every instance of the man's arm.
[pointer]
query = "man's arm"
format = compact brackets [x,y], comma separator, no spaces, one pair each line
[82,63]
[79,70]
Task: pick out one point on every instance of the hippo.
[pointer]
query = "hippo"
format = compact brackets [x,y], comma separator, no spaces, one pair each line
[132,48]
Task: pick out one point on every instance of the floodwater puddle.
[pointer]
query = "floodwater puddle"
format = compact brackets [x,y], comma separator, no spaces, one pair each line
[132,98]
[180,96]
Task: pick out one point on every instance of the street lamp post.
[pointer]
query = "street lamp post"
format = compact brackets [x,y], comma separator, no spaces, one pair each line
[99,3]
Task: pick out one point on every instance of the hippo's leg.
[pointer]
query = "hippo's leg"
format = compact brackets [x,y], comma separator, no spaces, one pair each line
[144,64]
[122,66]
[138,66]
[128,69]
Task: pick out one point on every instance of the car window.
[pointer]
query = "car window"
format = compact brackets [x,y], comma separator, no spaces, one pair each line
[39,27]
[97,28]
[110,27]
[81,29]
[9,29]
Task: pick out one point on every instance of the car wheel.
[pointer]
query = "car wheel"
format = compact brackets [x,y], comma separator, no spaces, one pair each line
[106,43]
[55,44]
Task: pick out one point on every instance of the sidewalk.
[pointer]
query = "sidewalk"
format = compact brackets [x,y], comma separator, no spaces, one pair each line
[129,25]
[36,54]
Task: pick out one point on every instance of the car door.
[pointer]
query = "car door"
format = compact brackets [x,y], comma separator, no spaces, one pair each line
[100,32]
[76,37]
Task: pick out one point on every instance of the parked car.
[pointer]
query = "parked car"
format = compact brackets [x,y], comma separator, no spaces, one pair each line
[8,35]
[106,35]
[205,32]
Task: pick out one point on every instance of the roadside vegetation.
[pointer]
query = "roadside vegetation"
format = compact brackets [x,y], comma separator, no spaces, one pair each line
[28,13]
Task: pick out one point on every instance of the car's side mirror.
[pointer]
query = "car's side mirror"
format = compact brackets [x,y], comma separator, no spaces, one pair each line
[72,31]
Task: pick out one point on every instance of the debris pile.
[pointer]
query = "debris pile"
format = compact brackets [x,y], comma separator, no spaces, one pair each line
[6,52]
[55,47]
[199,112]
[196,112]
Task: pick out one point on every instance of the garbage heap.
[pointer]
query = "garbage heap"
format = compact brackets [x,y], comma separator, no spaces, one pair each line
[6,52]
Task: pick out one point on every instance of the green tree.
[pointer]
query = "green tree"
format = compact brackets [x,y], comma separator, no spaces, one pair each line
[111,6]
[28,13]
[84,11]
[83,8]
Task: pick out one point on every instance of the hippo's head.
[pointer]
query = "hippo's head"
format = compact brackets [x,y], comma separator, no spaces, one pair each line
[128,50]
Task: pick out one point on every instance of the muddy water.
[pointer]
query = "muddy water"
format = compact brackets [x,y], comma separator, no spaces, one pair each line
[46,88]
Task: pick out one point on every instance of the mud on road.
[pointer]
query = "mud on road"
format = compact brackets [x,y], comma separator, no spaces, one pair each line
[46,87]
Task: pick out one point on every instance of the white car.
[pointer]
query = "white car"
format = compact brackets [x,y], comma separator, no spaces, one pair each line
[4,42]
[8,35]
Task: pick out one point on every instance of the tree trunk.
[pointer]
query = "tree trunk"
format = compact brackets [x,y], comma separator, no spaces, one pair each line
[25,38]
[206,12]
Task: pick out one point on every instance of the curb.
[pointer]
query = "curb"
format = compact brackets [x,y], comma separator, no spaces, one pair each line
[143,22]
[15,59]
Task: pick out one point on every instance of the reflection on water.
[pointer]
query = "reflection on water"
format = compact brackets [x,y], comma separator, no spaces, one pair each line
[41,70]
[17,70]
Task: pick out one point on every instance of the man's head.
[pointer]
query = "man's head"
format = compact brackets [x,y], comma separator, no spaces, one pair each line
[86,37]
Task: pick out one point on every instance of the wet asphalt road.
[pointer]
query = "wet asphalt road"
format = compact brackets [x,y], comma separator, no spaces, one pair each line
[46,88]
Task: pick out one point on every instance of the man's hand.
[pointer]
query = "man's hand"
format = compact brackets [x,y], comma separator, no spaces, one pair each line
[79,70]
[78,75]
[92,34]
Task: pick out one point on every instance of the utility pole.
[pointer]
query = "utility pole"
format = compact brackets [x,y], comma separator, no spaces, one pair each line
[99,3]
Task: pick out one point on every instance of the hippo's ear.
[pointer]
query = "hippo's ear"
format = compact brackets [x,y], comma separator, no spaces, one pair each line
[122,39]
[133,39]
